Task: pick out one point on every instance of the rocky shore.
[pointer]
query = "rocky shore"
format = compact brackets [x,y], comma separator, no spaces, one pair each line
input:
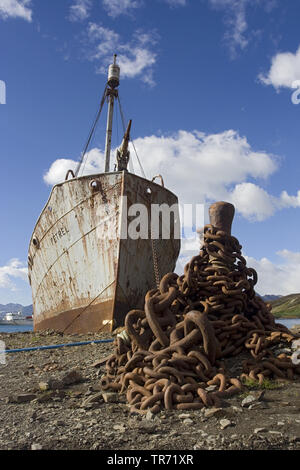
[51,399]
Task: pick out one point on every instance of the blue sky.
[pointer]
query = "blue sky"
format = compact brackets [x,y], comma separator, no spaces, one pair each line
[208,84]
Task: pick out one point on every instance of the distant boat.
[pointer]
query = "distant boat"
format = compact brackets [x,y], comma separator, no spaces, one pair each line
[82,282]
[16,319]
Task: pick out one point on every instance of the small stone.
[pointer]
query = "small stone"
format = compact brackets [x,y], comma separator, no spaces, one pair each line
[92,400]
[44,386]
[278,433]
[188,421]
[248,400]
[256,404]
[78,426]
[55,384]
[21,398]
[110,397]
[36,446]
[76,394]
[257,430]
[72,377]
[119,427]
[294,439]
[296,344]
[184,416]
[150,415]
[237,409]
[208,412]
[224,423]
[147,427]
[280,423]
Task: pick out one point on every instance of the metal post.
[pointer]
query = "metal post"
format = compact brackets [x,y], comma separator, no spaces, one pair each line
[109,129]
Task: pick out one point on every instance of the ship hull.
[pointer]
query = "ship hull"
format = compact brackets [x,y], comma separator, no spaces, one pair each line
[85,271]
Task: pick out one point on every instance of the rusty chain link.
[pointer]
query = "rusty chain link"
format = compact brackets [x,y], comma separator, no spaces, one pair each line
[189,326]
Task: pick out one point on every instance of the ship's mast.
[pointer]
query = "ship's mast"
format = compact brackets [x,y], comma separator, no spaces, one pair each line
[112,94]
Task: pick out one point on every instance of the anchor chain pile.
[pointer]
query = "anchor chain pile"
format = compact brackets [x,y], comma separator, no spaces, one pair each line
[189,326]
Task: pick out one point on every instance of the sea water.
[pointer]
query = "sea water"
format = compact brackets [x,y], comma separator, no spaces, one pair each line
[289,322]
[15,328]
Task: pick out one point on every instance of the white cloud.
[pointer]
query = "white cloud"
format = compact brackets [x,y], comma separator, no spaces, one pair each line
[238,35]
[116,8]
[136,57]
[16,9]
[94,162]
[201,168]
[281,278]
[285,69]
[235,20]
[14,269]
[80,10]
[253,202]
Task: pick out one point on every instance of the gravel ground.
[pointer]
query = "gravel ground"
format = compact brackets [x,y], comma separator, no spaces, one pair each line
[52,400]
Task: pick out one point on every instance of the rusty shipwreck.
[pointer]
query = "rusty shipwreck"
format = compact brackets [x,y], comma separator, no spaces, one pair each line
[85,271]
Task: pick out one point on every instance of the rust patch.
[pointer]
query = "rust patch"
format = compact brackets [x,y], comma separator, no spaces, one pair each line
[80,320]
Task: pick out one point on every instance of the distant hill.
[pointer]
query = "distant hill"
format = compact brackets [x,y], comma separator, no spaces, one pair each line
[270,298]
[286,306]
[14,308]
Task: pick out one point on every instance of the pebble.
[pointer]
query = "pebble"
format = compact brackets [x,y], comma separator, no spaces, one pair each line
[296,344]
[188,421]
[92,400]
[208,412]
[224,423]
[149,416]
[110,397]
[20,398]
[257,430]
[119,427]
[36,446]
[237,409]
[184,416]
[248,400]
[72,377]
[44,386]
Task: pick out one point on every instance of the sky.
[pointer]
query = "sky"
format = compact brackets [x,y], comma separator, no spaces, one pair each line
[212,87]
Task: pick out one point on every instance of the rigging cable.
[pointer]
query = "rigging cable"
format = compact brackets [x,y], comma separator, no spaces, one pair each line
[91,133]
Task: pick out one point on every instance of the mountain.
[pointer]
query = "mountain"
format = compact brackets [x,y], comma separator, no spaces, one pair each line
[270,298]
[286,306]
[14,308]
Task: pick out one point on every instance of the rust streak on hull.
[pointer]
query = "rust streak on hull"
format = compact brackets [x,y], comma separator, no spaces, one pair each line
[84,276]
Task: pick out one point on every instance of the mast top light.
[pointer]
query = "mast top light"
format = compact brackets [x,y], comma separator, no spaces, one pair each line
[114,74]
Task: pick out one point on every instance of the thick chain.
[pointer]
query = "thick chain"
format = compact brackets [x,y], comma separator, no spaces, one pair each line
[189,326]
